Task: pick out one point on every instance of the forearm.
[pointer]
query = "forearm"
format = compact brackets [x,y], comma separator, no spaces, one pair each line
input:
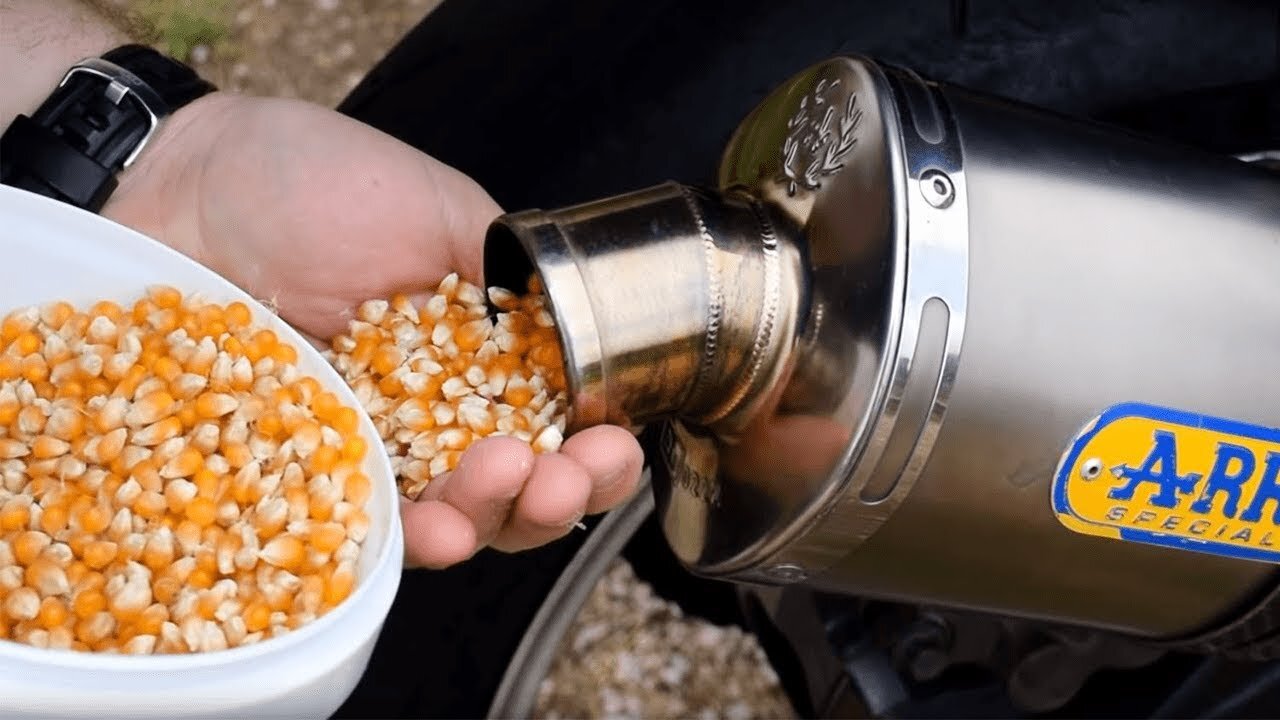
[40,39]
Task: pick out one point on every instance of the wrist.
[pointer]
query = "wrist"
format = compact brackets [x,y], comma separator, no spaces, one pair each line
[159,195]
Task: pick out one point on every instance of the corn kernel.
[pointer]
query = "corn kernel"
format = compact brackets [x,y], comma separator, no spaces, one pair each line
[447,369]
[138,516]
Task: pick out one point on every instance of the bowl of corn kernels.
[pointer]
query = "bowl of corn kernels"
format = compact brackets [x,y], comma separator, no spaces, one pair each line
[197,518]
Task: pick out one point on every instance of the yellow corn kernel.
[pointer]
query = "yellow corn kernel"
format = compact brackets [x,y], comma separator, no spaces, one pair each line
[340,584]
[53,613]
[150,408]
[95,628]
[183,465]
[9,410]
[346,420]
[14,514]
[202,511]
[166,368]
[306,438]
[47,578]
[326,537]
[53,519]
[159,431]
[25,344]
[88,603]
[323,460]
[35,369]
[95,519]
[145,480]
[22,604]
[357,489]
[47,446]
[18,322]
[99,554]
[215,405]
[66,423]
[150,505]
[28,545]
[164,296]
[284,551]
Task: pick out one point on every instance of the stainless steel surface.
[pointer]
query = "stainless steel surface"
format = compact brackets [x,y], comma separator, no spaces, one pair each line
[962,284]
[670,301]
[1103,268]
[885,234]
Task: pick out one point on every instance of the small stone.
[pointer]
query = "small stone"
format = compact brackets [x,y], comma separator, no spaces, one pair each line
[674,671]
[626,668]
[589,635]
[200,54]
[709,636]
[611,700]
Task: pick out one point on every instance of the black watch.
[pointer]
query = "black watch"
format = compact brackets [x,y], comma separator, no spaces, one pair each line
[94,124]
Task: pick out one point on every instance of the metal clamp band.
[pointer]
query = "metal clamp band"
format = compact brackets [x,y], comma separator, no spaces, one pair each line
[930,324]
[935,304]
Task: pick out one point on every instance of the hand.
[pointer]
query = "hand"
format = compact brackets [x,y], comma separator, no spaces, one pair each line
[315,212]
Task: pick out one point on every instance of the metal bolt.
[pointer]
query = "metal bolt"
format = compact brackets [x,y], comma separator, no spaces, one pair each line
[1091,468]
[787,572]
[937,188]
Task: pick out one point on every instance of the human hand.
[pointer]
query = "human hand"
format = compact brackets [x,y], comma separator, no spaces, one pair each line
[315,213]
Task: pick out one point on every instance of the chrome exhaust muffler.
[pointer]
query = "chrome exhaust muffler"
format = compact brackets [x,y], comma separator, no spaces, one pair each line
[927,345]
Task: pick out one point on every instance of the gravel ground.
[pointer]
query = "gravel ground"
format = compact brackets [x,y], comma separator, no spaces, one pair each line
[311,49]
[630,654]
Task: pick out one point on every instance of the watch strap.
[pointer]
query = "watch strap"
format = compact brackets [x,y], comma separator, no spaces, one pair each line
[175,83]
[94,124]
[36,159]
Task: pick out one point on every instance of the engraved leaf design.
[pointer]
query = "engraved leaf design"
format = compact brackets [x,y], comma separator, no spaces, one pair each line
[809,141]
[834,158]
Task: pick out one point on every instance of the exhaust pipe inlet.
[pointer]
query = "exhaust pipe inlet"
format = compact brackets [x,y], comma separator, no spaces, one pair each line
[670,301]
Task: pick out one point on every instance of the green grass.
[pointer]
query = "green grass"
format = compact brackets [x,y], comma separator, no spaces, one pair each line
[177,26]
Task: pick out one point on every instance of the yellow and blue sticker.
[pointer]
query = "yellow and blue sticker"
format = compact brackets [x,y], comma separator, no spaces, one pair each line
[1177,479]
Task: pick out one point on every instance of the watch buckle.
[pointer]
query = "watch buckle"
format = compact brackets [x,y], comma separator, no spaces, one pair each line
[121,84]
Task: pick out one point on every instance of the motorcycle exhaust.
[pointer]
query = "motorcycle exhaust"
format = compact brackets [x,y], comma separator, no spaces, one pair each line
[921,344]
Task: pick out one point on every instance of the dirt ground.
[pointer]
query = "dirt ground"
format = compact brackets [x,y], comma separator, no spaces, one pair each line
[630,654]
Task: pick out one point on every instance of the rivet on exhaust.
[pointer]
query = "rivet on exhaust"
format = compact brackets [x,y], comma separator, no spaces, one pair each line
[937,189]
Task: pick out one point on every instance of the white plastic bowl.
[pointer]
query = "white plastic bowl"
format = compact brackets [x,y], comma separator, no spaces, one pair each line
[52,251]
